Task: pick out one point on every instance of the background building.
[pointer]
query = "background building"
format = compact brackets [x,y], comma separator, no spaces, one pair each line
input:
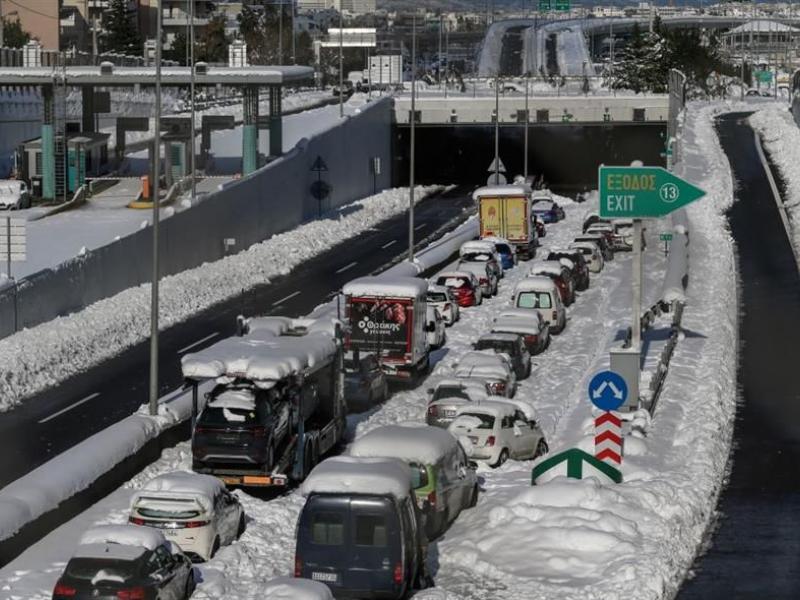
[40,18]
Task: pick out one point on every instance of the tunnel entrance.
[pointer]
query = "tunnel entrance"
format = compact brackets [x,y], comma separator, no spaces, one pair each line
[566,155]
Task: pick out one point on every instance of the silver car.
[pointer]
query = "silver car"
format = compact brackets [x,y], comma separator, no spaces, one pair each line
[448,395]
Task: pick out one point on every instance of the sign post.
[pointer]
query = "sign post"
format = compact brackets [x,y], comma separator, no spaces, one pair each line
[608,391]
[13,246]
[666,238]
[319,189]
[638,193]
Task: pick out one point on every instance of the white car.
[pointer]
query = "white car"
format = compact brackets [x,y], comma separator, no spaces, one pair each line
[494,368]
[498,431]
[482,251]
[541,294]
[441,298]
[434,328]
[590,251]
[195,511]
[14,195]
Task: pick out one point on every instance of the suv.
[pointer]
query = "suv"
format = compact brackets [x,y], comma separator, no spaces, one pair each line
[511,344]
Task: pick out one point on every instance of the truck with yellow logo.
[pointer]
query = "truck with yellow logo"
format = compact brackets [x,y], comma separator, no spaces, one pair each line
[505,212]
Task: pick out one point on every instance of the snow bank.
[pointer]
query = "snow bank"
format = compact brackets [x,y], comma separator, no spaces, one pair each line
[44,356]
[289,588]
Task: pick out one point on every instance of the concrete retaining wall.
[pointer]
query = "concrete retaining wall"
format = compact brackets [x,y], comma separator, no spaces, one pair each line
[274,199]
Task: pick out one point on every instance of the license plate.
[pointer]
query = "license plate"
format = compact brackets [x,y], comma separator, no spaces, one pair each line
[170,532]
[326,577]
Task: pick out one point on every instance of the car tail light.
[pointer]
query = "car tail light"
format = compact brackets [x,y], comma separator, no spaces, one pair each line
[432,499]
[200,430]
[531,339]
[498,387]
[136,521]
[433,411]
[64,590]
[259,432]
[484,281]
[136,593]
[298,566]
[398,573]
[490,440]
[195,524]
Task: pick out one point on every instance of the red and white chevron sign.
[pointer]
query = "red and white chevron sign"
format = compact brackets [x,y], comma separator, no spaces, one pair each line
[608,439]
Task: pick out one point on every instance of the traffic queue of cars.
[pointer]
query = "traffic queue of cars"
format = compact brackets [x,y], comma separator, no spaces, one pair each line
[281,390]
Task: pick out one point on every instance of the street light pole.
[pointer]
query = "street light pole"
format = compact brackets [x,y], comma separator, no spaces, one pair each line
[497,129]
[341,63]
[154,191]
[412,154]
[191,102]
[527,122]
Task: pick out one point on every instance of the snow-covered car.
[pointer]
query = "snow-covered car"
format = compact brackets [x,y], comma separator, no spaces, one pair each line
[435,328]
[293,588]
[591,253]
[482,251]
[494,368]
[560,275]
[441,297]
[486,276]
[449,394]
[125,562]
[365,383]
[195,511]
[546,208]
[575,260]
[14,195]
[541,294]
[538,223]
[465,287]
[528,324]
[600,241]
[511,344]
[498,431]
[505,250]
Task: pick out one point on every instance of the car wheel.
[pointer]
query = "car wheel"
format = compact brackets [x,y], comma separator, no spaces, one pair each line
[501,459]
[541,448]
[242,526]
[214,547]
[190,585]
[473,499]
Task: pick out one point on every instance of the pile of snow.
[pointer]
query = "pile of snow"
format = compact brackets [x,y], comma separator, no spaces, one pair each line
[125,535]
[44,356]
[289,588]
[423,444]
[353,475]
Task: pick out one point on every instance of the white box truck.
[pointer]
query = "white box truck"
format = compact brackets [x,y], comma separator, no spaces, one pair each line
[505,212]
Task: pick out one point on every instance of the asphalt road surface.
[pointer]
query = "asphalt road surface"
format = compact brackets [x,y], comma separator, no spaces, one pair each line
[61,417]
[755,551]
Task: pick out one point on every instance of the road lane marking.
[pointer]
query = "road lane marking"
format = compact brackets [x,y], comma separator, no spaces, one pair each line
[198,342]
[347,267]
[70,407]
[420,226]
[387,244]
[289,297]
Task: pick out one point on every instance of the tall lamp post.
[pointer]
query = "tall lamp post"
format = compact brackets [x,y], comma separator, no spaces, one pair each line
[156,177]
[341,63]
[191,101]
[527,122]
[412,154]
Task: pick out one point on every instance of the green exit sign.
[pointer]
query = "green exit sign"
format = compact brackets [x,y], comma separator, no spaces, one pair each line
[665,237]
[544,5]
[642,192]
[563,5]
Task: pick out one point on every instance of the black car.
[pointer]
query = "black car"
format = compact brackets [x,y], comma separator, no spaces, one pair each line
[112,571]
[511,344]
[365,384]
[241,427]
[581,271]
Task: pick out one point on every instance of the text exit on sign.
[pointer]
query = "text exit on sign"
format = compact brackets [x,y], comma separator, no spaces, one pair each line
[642,192]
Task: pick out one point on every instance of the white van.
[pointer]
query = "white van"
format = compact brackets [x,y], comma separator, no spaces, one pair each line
[194,511]
[541,293]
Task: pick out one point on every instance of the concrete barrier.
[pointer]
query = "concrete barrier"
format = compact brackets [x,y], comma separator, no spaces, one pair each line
[271,200]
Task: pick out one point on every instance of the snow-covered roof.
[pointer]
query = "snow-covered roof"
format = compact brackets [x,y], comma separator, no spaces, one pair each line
[489,407]
[461,382]
[569,263]
[482,364]
[455,274]
[501,190]
[535,284]
[383,287]
[476,247]
[520,314]
[203,488]
[260,356]
[282,325]
[423,444]
[762,26]
[499,337]
[289,588]
[352,475]
[546,266]
[513,324]
[525,408]
[437,289]
[123,535]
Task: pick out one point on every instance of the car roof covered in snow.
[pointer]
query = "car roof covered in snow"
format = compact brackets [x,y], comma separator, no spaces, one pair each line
[489,407]
[423,444]
[260,356]
[354,475]
[386,287]
[123,542]
[460,382]
[438,289]
[482,364]
[587,245]
[520,314]
[499,337]
[498,240]
[477,246]
[284,325]
[501,190]
[553,267]
[515,325]
[181,484]
[449,274]
[290,588]
[535,283]
[525,408]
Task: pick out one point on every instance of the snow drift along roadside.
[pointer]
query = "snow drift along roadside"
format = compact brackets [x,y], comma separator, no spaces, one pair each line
[42,357]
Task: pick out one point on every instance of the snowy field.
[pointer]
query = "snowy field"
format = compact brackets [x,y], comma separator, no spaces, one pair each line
[43,356]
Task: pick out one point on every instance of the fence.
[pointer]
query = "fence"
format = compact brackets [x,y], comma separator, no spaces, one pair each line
[12,57]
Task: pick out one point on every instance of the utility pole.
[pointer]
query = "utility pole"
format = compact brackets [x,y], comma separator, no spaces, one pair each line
[191,103]
[527,122]
[412,153]
[497,129]
[280,32]
[94,39]
[439,70]
[294,32]
[2,26]
[156,199]
[341,63]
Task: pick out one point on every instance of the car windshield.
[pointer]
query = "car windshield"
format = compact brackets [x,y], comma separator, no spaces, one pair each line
[450,391]
[109,570]
[476,257]
[222,415]
[497,345]
[534,300]
[419,475]
[543,205]
[453,282]
[437,297]
[478,420]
